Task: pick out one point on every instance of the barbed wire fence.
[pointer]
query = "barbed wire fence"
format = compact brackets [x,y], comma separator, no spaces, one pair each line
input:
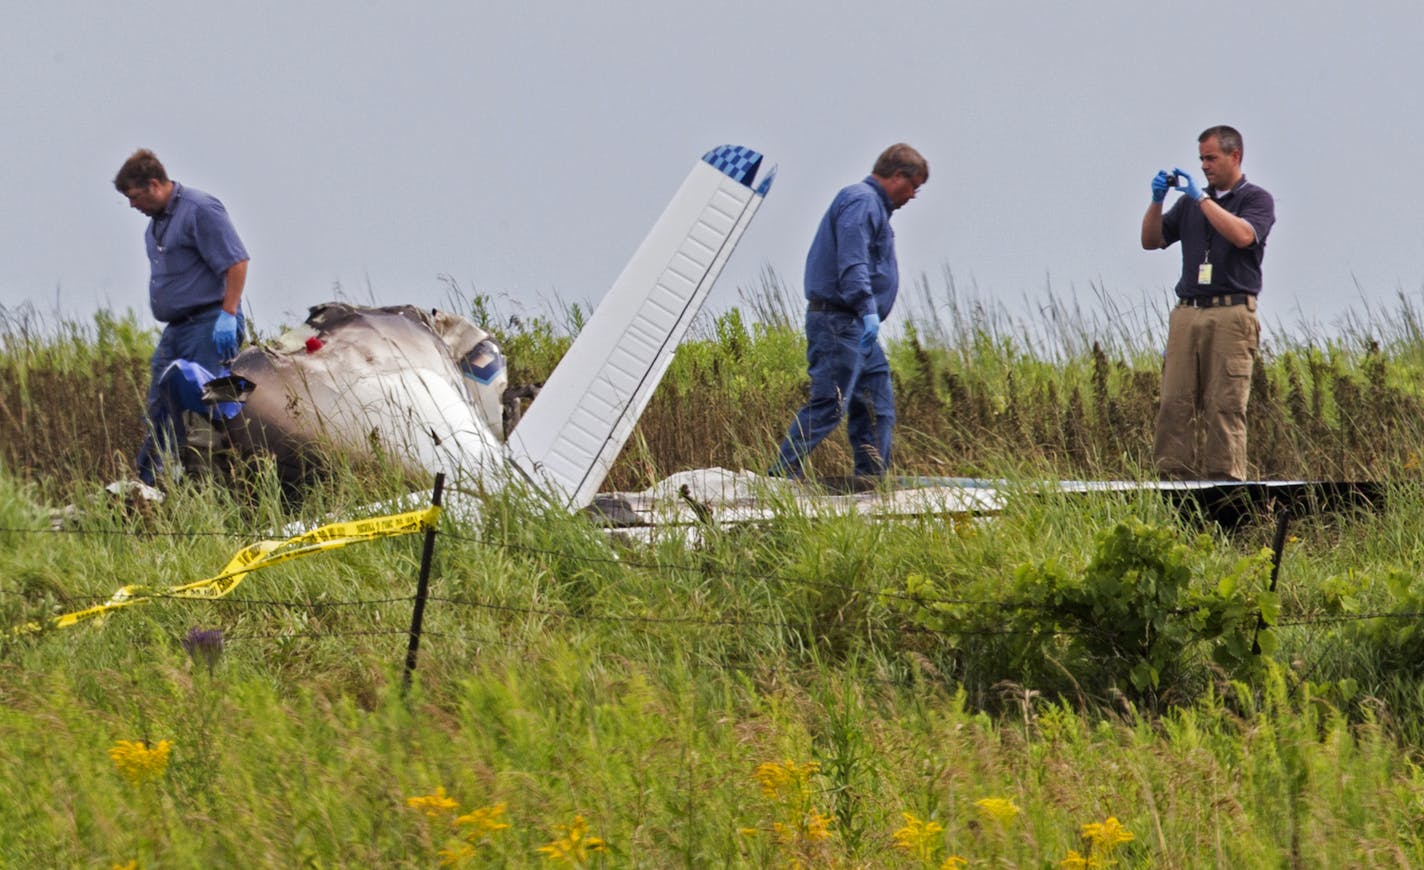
[422,597]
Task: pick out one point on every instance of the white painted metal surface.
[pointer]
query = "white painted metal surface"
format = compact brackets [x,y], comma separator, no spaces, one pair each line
[587,409]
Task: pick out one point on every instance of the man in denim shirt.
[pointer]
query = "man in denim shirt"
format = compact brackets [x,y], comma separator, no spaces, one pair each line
[198,267]
[851,283]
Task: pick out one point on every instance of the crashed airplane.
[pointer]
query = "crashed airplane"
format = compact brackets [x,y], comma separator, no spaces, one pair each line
[427,388]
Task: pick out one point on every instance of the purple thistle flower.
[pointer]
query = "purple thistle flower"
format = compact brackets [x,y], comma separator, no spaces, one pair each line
[204,646]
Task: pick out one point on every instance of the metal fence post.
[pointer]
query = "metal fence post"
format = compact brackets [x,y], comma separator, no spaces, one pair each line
[422,590]
[1278,546]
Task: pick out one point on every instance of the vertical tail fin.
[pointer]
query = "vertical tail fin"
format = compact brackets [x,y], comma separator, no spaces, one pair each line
[585,412]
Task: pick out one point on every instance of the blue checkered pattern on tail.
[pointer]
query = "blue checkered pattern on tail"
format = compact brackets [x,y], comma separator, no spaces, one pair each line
[735,161]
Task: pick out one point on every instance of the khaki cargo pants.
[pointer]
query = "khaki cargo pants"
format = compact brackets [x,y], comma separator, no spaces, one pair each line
[1206,381]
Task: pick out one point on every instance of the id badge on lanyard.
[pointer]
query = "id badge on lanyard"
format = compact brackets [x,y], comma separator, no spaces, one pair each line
[1204,270]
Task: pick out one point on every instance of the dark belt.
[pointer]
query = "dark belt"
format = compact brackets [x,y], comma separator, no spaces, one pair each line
[821,305]
[194,314]
[1217,301]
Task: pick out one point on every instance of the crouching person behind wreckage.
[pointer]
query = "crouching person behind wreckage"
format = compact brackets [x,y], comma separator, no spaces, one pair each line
[197,271]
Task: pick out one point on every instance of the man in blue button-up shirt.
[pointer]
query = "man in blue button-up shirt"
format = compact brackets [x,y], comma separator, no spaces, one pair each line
[197,271]
[851,283]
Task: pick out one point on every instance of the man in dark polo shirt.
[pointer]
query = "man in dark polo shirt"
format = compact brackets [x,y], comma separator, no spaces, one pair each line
[1213,333]
[197,271]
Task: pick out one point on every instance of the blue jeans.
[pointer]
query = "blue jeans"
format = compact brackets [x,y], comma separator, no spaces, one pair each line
[190,339]
[845,381]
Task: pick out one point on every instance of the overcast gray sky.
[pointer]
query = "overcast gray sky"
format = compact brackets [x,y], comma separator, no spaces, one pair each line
[524,149]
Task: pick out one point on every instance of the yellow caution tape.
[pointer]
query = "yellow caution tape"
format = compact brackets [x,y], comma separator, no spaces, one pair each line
[263,554]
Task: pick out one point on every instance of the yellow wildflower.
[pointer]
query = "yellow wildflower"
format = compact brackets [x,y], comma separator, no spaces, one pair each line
[784,834]
[1000,810]
[954,862]
[132,865]
[772,777]
[137,763]
[457,856]
[810,828]
[1108,835]
[435,804]
[483,821]
[816,826]
[574,846]
[1074,861]
[776,778]
[920,838]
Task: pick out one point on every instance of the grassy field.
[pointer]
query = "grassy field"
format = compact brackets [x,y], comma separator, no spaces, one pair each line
[1076,683]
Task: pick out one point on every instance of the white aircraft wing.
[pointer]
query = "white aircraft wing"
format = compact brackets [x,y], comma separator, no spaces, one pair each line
[585,412]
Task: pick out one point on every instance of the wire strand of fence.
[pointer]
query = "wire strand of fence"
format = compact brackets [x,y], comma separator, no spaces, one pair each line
[597,617]
[722,622]
[759,669]
[313,604]
[125,533]
[1331,618]
[922,601]
[724,573]
[703,569]
[968,629]
[322,635]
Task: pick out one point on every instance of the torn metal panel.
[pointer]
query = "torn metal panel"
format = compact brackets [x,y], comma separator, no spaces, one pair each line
[422,388]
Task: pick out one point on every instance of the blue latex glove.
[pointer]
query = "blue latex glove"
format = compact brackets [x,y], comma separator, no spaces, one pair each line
[1190,187]
[225,335]
[1160,185]
[871,331]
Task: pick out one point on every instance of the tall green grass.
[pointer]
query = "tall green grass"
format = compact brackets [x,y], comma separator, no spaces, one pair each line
[809,691]
[758,700]
[1051,390]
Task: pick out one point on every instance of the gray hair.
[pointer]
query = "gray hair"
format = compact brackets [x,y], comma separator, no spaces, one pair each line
[1229,138]
[901,158]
